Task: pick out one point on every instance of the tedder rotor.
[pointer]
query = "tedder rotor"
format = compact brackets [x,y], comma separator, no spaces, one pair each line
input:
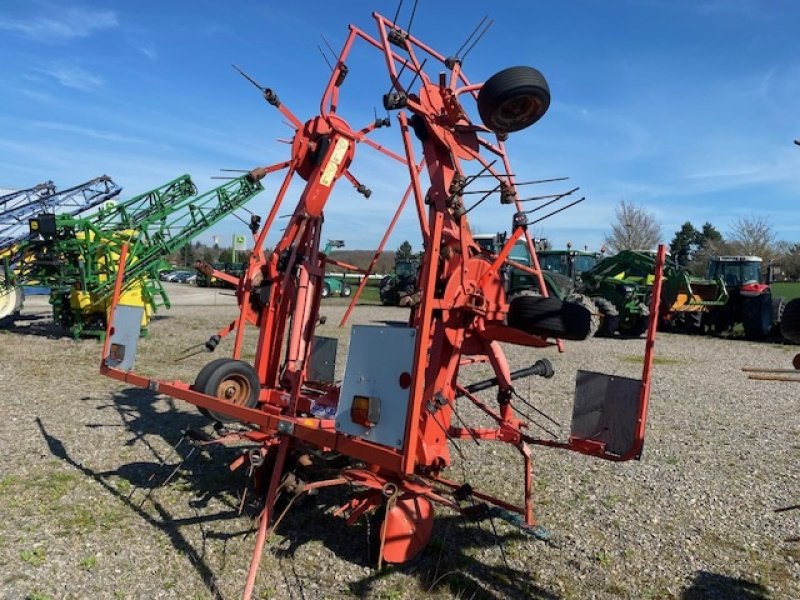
[390,419]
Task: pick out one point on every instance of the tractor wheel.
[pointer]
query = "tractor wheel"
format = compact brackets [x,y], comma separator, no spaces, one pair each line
[550,317]
[790,323]
[326,289]
[513,99]
[609,317]
[10,304]
[778,306]
[387,291]
[633,326]
[757,317]
[693,323]
[586,302]
[231,380]
[346,291]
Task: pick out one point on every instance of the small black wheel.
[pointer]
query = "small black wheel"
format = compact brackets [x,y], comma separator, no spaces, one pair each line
[550,317]
[513,99]
[346,291]
[757,316]
[234,381]
[326,289]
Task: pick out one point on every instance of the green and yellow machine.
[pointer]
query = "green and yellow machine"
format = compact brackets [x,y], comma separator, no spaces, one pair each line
[77,257]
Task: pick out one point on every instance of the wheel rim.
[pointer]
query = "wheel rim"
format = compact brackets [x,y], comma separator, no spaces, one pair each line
[8,301]
[234,389]
[518,112]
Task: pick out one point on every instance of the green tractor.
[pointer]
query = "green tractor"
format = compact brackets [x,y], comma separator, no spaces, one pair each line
[626,280]
[561,270]
[331,285]
[400,287]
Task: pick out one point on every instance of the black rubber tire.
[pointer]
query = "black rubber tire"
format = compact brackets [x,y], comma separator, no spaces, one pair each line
[346,291]
[326,289]
[550,317]
[757,316]
[693,323]
[790,322]
[200,381]
[634,328]
[211,376]
[513,99]
[778,306]
[608,326]
[609,317]
[387,292]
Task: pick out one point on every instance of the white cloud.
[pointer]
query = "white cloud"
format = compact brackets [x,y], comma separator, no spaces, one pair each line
[88,132]
[61,25]
[73,76]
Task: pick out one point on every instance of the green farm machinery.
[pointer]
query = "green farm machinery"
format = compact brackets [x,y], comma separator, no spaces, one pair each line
[78,257]
[16,210]
[399,288]
[625,279]
[331,285]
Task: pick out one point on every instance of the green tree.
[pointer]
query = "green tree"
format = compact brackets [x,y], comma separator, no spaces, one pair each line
[404,252]
[685,243]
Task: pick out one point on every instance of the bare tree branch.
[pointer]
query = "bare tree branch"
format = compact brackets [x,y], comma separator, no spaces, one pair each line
[634,229]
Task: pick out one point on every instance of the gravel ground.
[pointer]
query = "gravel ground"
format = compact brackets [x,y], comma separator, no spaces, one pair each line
[700,516]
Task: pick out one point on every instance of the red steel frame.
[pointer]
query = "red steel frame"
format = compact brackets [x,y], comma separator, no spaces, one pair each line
[460,317]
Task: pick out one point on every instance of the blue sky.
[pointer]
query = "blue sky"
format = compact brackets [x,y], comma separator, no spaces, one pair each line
[688,108]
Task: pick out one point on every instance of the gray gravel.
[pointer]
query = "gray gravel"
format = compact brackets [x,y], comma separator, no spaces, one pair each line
[698,517]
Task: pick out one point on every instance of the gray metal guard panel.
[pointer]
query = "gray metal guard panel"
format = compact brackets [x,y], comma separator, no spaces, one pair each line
[127,329]
[605,410]
[322,364]
[378,356]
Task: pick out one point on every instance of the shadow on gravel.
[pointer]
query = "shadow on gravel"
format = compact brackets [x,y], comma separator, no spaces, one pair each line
[38,326]
[466,558]
[197,472]
[712,586]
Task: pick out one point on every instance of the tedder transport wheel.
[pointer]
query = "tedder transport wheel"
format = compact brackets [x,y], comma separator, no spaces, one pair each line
[513,99]
[790,321]
[551,317]
[757,317]
[231,380]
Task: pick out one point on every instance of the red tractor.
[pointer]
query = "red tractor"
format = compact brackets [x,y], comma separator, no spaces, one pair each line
[750,300]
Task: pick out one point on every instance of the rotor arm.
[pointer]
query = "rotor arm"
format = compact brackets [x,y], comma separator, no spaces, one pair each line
[360,187]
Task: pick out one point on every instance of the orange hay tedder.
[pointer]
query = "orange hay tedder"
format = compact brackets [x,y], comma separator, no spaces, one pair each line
[396,409]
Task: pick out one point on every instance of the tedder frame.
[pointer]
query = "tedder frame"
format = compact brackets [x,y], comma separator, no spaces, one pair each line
[392,416]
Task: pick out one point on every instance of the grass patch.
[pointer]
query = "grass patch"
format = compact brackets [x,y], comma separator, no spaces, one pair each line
[657,360]
[786,290]
[33,557]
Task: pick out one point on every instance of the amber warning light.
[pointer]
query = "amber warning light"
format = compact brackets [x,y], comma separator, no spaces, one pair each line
[365,411]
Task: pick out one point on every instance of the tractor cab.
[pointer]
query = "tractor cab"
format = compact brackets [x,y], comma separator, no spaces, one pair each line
[738,272]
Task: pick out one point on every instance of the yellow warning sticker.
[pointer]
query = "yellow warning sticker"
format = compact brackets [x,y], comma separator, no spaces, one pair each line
[337,156]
